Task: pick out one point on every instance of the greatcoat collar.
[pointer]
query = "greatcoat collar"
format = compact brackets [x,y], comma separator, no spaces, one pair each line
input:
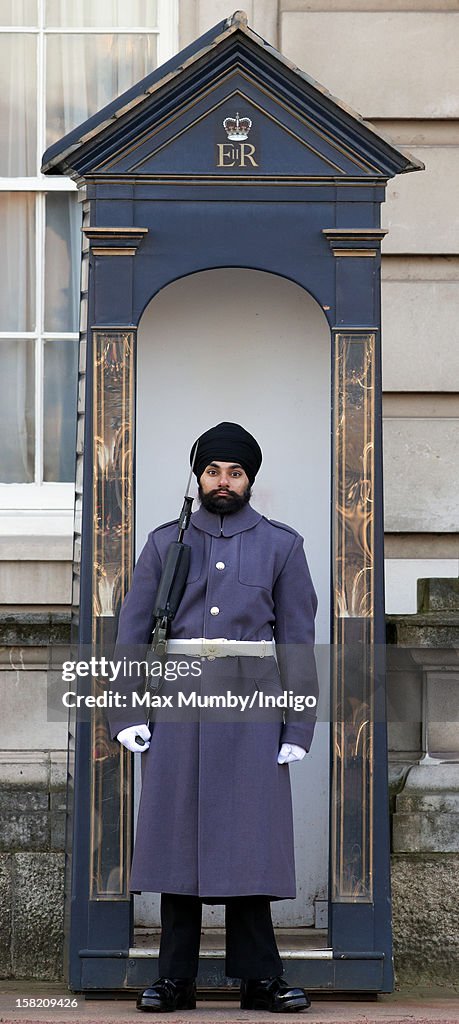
[226,526]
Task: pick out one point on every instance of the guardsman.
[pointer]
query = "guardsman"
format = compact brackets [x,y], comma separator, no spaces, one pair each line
[215,819]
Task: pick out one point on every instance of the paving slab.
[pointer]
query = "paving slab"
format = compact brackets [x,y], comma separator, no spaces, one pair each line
[29,1003]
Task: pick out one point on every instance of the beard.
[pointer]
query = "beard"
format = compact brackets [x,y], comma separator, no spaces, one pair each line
[224,506]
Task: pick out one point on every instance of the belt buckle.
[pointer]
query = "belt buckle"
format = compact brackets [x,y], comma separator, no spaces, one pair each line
[212,647]
[209,648]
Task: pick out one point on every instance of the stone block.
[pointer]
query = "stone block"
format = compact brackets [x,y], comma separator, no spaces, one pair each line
[443,778]
[58,770]
[23,768]
[38,907]
[426,818]
[420,474]
[21,799]
[439,803]
[437,595]
[403,687]
[404,696]
[431,832]
[49,582]
[57,800]
[414,313]
[399,659]
[404,738]
[266,20]
[5,916]
[23,698]
[25,630]
[443,711]
[26,547]
[58,815]
[385,64]
[425,897]
[25,831]
[426,636]
[57,831]
[421,209]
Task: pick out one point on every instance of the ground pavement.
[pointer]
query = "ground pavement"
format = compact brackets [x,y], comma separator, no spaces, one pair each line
[403,1007]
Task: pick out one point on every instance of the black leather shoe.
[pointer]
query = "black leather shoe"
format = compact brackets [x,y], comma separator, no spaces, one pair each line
[273,994]
[167,995]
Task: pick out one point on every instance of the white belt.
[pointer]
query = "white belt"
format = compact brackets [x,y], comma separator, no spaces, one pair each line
[200,647]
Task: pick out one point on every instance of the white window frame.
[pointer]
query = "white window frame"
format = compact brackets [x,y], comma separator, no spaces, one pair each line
[41,496]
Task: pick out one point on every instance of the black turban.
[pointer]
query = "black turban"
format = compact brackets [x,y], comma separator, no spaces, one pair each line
[227,442]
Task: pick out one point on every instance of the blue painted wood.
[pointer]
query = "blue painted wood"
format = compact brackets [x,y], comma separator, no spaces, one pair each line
[129,975]
[159,158]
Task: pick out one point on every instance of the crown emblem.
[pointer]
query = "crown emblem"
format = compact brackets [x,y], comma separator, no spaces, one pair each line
[237,128]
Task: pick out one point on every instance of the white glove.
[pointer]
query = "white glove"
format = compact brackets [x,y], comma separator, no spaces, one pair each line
[290,752]
[128,738]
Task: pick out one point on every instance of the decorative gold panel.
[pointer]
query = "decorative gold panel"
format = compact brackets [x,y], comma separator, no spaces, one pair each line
[353,653]
[113,425]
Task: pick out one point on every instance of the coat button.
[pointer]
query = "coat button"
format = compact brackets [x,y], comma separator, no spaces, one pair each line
[219,565]
[215,610]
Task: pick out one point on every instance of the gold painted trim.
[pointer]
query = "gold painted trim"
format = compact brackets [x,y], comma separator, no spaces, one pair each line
[112,541]
[354,600]
[113,232]
[346,235]
[354,252]
[106,328]
[349,329]
[97,236]
[190,180]
[101,251]
[335,234]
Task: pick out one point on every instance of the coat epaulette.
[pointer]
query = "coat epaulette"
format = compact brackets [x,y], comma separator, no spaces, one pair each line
[281,526]
[173,522]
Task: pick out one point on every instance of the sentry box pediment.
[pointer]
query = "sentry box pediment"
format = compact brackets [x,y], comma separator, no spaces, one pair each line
[226,108]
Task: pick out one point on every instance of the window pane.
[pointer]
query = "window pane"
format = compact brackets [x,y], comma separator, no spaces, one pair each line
[86,72]
[18,12]
[17,411]
[59,412]
[113,13]
[62,262]
[17,261]
[18,111]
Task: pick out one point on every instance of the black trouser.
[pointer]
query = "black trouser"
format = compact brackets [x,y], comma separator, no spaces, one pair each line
[251,949]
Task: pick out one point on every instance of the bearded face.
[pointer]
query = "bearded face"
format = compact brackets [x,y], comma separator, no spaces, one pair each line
[224,503]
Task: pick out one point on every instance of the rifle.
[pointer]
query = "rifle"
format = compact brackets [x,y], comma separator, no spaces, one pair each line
[172,583]
[174,575]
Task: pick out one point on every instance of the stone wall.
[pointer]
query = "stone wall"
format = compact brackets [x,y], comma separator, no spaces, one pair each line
[425,901]
[32,809]
[423,707]
[32,800]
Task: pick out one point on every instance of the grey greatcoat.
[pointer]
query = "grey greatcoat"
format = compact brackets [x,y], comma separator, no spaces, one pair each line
[215,816]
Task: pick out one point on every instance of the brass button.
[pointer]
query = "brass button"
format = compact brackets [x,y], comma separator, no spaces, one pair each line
[219,565]
[215,610]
